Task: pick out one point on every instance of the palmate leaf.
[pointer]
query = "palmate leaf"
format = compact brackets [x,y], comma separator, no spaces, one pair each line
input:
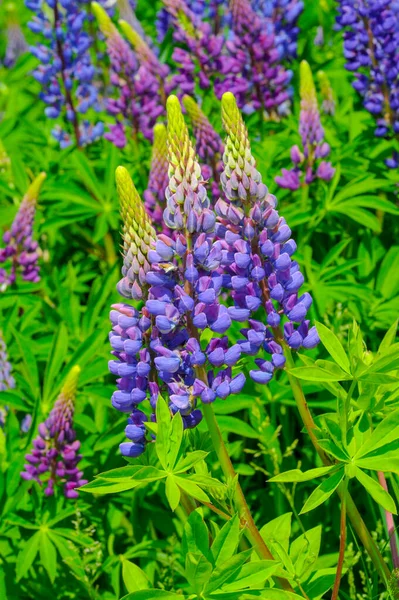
[226,542]
[296,475]
[333,346]
[48,555]
[134,578]
[27,555]
[251,575]
[196,536]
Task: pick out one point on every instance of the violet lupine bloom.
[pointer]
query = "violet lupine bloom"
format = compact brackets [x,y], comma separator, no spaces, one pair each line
[371,49]
[7,381]
[138,237]
[208,145]
[20,254]
[255,76]
[154,195]
[54,458]
[200,60]
[158,351]
[214,10]
[327,94]
[257,258]
[281,17]
[16,42]
[65,72]
[309,162]
[136,103]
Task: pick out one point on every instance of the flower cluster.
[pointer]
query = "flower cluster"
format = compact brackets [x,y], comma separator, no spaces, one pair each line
[7,381]
[54,458]
[65,72]
[328,102]
[200,60]
[262,275]
[136,96]
[154,195]
[282,17]
[208,144]
[371,50]
[310,160]
[215,10]
[21,251]
[158,350]
[16,43]
[254,72]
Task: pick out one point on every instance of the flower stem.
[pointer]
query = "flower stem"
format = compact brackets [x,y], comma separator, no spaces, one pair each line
[342,542]
[357,522]
[229,472]
[390,525]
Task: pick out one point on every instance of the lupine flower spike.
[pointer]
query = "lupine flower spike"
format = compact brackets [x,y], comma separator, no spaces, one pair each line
[309,162]
[16,43]
[371,41]
[65,72]
[154,195]
[327,94]
[258,257]
[157,351]
[21,251]
[7,381]
[54,458]
[208,144]
[138,238]
[136,102]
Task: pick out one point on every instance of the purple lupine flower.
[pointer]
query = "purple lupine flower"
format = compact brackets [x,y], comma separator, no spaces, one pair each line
[208,145]
[21,251]
[309,162]
[136,103]
[154,195]
[257,257]
[65,72]
[7,381]
[254,72]
[157,350]
[371,50]
[16,42]
[53,460]
[214,10]
[327,94]
[281,17]
[26,423]
[200,60]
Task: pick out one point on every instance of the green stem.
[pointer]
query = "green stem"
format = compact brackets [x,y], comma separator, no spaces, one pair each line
[227,467]
[342,541]
[357,522]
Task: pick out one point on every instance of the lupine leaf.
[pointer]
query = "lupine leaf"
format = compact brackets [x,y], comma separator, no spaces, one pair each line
[134,578]
[27,555]
[296,475]
[323,491]
[376,491]
[333,346]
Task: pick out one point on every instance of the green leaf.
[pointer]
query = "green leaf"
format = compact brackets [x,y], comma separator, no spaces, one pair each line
[102,486]
[317,374]
[195,536]
[198,571]
[278,531]
[388,280]
[237,426]
[48,555]
[226,541]
[191,459]
[304,551]
[153,594]
[376,491]
[27,555]
[54,362]
[296,475]
[172,492]
[386,432]
[176,437]
[251,574]
[225,570]
[388,338]
[333,346]
[134,578]
[192,489]
[323,491]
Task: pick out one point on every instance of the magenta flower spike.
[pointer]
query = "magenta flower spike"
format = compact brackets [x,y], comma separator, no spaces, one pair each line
[21,251]
[53,460]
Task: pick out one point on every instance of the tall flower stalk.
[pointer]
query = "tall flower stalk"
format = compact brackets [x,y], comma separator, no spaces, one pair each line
[309,163]
[21,252]
[65,70]
[54,458]
[154,195]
